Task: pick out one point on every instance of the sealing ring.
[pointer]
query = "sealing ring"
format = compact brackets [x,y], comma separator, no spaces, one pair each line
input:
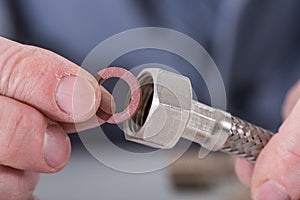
[135,91]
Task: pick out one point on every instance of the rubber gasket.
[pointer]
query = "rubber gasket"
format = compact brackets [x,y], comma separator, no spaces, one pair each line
[135,90]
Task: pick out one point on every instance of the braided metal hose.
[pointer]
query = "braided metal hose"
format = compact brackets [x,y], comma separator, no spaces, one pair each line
[245,139]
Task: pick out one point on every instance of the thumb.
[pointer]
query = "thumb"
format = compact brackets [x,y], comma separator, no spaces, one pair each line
[55,86]
[277,171]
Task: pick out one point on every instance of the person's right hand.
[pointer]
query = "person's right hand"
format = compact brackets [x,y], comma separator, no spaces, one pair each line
[40,93]
[276,174]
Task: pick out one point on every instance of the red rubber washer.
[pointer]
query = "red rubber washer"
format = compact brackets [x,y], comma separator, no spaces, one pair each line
[134,86]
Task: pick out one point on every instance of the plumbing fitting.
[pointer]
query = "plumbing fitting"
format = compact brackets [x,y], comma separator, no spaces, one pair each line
[168,112]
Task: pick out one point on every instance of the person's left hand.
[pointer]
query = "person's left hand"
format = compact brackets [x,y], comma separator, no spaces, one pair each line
[42,95]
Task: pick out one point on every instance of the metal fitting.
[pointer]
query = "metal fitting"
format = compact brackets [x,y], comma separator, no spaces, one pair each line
[163,113]
[167,112]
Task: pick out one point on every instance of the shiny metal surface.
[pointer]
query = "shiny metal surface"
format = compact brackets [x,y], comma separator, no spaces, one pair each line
[167,112]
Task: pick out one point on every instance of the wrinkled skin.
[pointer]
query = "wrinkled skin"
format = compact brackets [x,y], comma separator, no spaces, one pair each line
[41,96]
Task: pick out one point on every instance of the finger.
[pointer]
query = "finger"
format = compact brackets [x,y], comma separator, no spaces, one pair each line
[244,171]
[290,100]
[17,184]
[107,104]
[28,142]
[277,171]
[55,86]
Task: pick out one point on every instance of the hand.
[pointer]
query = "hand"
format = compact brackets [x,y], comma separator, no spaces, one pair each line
[41,96]
[276,174]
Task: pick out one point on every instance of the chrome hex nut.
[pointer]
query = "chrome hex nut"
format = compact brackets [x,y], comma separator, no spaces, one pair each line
[164,109]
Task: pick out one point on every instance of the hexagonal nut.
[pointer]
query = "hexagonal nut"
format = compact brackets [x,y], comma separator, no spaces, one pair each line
[164,109]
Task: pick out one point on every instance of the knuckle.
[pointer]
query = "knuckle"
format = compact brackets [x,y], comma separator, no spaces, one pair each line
[8,60]
[18,65]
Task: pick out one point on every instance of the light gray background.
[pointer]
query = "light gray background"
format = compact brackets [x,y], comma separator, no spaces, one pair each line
[86,178]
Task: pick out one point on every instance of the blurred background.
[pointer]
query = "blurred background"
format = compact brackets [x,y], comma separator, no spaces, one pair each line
[255,45]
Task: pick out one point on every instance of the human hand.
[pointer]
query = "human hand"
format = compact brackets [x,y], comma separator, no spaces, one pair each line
[41,96]
[276,174]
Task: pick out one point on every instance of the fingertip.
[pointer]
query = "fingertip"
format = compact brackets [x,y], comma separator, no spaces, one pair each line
[57,148]
[107,103]
[271,190]
[244,171]
[78,97]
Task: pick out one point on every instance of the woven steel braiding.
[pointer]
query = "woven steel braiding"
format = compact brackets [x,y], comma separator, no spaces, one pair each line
[246,140]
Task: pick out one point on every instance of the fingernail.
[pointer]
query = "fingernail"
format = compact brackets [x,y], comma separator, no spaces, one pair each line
[76,95]
[56,147]
[107,103]
[271,190]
